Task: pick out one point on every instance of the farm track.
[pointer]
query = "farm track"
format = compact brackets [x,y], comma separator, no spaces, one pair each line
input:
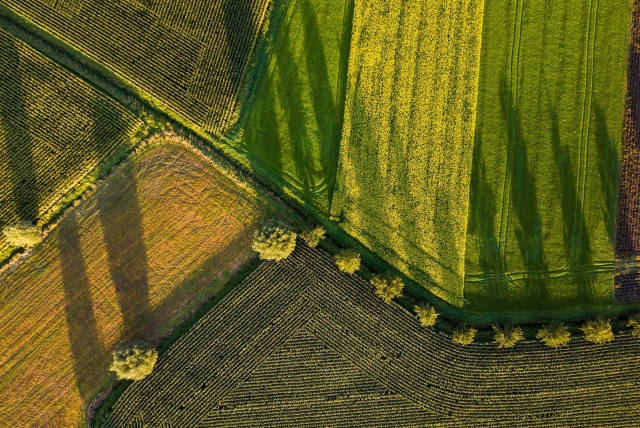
[311,346]
[627,284]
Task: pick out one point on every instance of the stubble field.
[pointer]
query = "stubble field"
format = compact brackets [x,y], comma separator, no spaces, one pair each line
[162,234]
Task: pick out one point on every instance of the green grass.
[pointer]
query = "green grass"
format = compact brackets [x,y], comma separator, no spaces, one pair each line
[293,127]
[546,159]
[405,158]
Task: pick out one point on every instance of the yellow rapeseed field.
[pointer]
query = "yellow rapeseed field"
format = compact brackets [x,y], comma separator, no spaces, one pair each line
[405,156]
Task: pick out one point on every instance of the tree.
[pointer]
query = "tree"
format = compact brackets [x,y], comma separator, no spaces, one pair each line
[507,336]
[634,323]
[598,330]
[554,334]
[426,314]
[348,261]
[387,288]
[134,362]
[313,236]
[464,335]
[275,241]
[23,234]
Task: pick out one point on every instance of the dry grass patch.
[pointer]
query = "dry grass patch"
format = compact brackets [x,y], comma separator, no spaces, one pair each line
[162,234]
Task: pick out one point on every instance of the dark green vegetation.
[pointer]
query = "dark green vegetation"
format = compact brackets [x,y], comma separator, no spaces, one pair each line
[293,127]
[544,185]
[303,353]
[188,56]
[55,129]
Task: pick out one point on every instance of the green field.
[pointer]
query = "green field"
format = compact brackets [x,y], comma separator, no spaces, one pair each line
[549,124]
[314,347]
[187,56]
[405,158]
[55,129]
[293,127]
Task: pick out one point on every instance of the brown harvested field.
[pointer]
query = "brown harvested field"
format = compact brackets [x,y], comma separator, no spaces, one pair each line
[627,284]
[163,233]
[314,347]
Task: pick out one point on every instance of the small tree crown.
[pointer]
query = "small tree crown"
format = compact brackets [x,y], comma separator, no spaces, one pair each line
[387,288]
[598,330]
[464,335]
[348,260]
[507,336]
[275,241]
[134,362]
[313,236]
[555,334]
[634,323]
[426,314]
[23,234]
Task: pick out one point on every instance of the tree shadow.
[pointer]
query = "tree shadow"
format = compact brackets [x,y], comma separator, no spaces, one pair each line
[18,143]
[121,220]
[84,338]
[524,201]
[609,168]
[482,217]
[576,238]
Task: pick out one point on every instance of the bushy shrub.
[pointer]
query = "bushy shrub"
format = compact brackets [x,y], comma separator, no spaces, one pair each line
[275,241]
[464,335]
[507,336]
[134,362]
[598,330]
[313,236]
[555,334]
[348,261]
[23,234]
[426,314]
[387,288]
[634,323]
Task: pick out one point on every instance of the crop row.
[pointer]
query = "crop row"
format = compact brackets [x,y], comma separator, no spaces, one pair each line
[190,55]
[301,343]
[54,130]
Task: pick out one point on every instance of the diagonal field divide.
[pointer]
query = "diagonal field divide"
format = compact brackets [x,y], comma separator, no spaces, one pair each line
[478,385]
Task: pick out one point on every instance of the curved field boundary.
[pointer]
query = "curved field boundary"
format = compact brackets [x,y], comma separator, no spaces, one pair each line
[231,368]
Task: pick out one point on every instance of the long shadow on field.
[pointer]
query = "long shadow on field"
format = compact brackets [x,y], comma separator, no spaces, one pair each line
[524,202]
[17,143]
[81,322]
[609,168]
[121,220]
[482,220]
[576,238]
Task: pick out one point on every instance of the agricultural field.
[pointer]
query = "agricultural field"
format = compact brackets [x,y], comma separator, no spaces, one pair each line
[294,124]
[627,280]
[402,187]
[315,347]
[55,129]
[545,181]
[190,55]
[161,235]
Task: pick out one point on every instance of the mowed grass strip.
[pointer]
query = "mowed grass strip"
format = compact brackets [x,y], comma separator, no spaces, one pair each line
[295,121]
[405,157]
[547,153]
[158,237]
[54,130]
[191,55]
